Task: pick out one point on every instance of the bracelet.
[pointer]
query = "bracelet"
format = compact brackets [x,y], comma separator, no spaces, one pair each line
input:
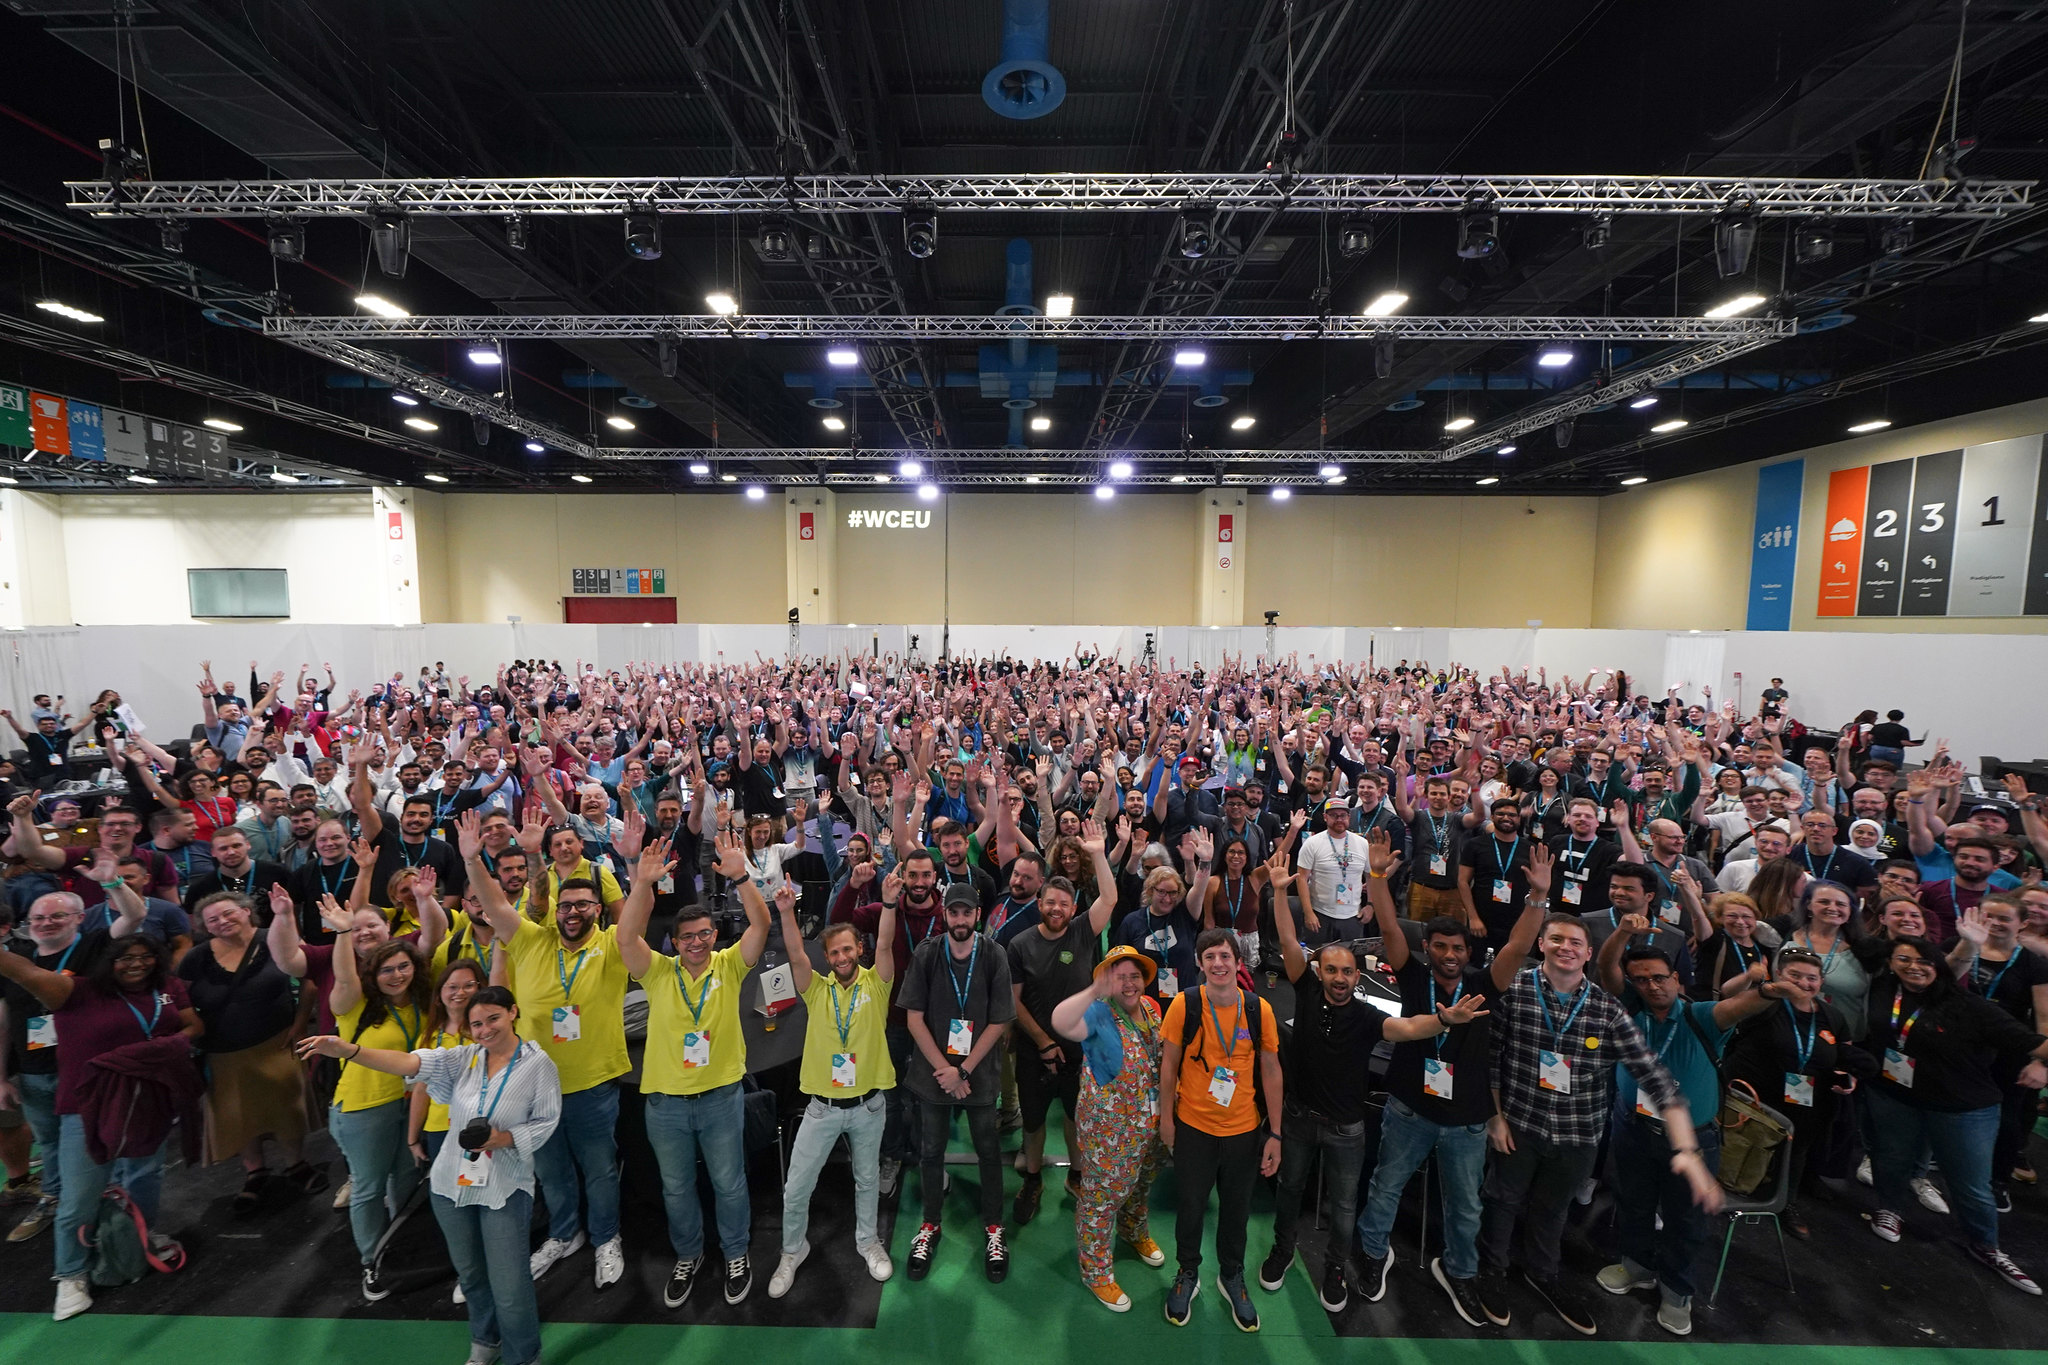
[357,1053]
[109,886]
[1685,1151]
[1272,1136]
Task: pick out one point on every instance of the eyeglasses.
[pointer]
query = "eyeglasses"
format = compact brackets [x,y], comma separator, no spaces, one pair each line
[394,968]
[697,936]
[577,905]
[1651,978]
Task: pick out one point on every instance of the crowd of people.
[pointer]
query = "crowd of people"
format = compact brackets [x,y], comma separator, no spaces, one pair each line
[1236,920]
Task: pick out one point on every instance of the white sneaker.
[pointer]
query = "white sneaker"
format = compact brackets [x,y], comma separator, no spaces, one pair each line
[1930,1198]
[1863,1172]
[785,1271]
[552,1250]
[73,1298]
[458,1297]
[342,1195]
[879,1264]
[480,1354]
[611,1263]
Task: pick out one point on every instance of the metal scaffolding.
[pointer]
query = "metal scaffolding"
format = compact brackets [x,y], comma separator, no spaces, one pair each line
[987,327]
[1023,462]
[1768,196]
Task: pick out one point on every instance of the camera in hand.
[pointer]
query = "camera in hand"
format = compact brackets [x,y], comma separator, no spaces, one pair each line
[475,1135]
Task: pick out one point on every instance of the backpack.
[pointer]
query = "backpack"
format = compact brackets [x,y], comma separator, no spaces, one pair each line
[1194,1033]
[117,1241]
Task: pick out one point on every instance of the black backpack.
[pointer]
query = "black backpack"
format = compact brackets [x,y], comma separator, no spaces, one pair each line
[1194,1033]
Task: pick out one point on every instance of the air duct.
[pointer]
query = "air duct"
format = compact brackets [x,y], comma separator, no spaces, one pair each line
[1024,84]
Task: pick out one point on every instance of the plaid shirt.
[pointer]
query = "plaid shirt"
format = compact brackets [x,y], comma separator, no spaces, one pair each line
[1601,1037]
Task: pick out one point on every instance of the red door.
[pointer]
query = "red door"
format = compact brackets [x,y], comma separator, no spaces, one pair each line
[619,610]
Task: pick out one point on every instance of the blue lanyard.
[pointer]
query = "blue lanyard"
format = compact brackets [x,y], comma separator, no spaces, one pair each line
[1830,960]
[844,1023]
[1992,989]
[1670,1031]
[1456,996]
[1507,864]
[959,991]
[405,855]
[1803,1046]
[320,870]
[76,939]
[1237,901]
[504,1079]
[1572,851]
[1440,832]
[682,988]
[409,1034]
[1229,1041]
[1741,958]
[1825,867]
[568,978]
[1557,1030]
[149,1027]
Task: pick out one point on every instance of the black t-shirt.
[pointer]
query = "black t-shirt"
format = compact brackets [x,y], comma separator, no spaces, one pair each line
[760,793]
[1960,1046]
[1050,969]
[1493,860]
[934,985]
[393,853]
[1327,1054]
[1467,1050]
[984,885]
[1889,735]
[309,882]
[1423,834]
[1838,864]
[1546,815]
[240,1009]
[1765,1047]
[255,879]
[2010,984]
[1579,874]
[80,958]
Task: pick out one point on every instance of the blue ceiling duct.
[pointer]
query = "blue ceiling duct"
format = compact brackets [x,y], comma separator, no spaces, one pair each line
[1024,85]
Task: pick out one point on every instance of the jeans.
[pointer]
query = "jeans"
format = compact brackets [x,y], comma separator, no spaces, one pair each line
[1962,1144]
[712,1124]
[815,1138]
[39,1107]
[432,1142]
[1303,1133]
[489,1248]
[379,1162]
[1229,1164]
[1406,1141]
[2016,1121]
[583,1144]
[1534,1185]
[1888,754]
[981,1130]
[1646,1189]
[902,1134]
[85,1180]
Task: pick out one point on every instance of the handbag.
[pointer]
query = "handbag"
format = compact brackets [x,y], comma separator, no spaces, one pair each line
[1749,1138]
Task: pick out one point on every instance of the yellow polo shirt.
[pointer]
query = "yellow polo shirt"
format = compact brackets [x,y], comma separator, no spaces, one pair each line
[863,1008]
[591,981]
[680,1010]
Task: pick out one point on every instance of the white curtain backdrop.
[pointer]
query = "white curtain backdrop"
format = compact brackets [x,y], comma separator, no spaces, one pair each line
[1693,664]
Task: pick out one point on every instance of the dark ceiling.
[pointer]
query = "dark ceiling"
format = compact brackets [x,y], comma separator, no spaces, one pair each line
[514,87]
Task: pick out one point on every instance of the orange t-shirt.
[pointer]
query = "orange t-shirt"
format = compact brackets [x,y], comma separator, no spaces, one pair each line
[1195,1091]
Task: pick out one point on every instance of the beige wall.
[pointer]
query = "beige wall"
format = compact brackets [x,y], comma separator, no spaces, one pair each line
[1675,555]
[1458,562]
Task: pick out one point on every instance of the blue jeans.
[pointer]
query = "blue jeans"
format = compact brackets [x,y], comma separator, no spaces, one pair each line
[39,1107]
[1962,1144]
[432,1142]
[379,1162]
[822,1125]
[1303,1134]
[1645,1188]
[583,1142]
[85,1180]
[1406,1140]
[489,1248]
[713,1124]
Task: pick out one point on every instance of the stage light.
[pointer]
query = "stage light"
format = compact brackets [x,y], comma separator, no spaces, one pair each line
[910,469]
[1598,232]
[221,424]
[1331,471]
[1555,358]
[1383,358]
[1059,305]
[928,492]
[485,353]
[1648,400]
[1104,492]
[406,399]
[140,478]
[288,241]
[1388,302]
[1041,424]
[435,478]
[1894,238]
[579,478]
[772,242]
[728,478]
[382,307]
[1334,479]
[1478,228]
[391,238]
[1460,423]
[881,478]
[1354,237]
[1243,422]
[920,233]
[1812,243]
[1669,425]
[1505,450]
[1489,481]
[1874,424]
[1195,232]
[65,310]
[1282,494]
[536,448]
[722,303]
[1635,479]
[833,423]
[1120,469]
[700,469]
[756,493]
[421,424]
[643,235]
[1734,238]
[170,237]
[842,357]
[279,476]
[1741,303]
[1190,357]
[519,232]
[618,423]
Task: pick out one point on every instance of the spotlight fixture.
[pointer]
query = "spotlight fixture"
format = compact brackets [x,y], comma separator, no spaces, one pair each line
[536,448]
[1243,422]
[221,424]
[1334,479]
[288,241]
[480,429]
[1597,232]
[722,303]
[435,478]
[170,236]
[1461,423]
[1561,432]
[1059,305]
[1331,471]
[1282,494]
[1632,480]
[1354,237]
[421,424]
[1120,469]
[1195,231]
[728,478]
[1041,424]
[579,478]
[1670,424]
[756,493]
[643,235]
[928,492]
[773,241]
[1478,227]
[144,478]
[1383,358]
[1812,243]
[1104,492]
[2039,317]
[1741,303]
[391,236]
[519,232]
[910,469]
[65,310]
[881,478]
[485,353]
[1554,358]
[1648,400]
[1894,238]
[1387,302]
[1190,357]
[842,357]
[665,357]
[1874,424]
[700,469]
[382,307]
[405,400]
[1505,451]
[1178,478]
[618,423]
[833,423]
[1734,238]
[9,480]
[920,232]
[1489,481]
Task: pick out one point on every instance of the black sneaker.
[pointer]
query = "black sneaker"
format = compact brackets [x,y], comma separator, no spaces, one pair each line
[1028,1197]
[1180,1300]
[1493,1296]
[1372,1275]
[1241,1311]
[921,1247]
[1464,1294]
[739,1277]
[1335,1293]
[996,1258]
[681,1281]
[2009,1272]
[1566,1303]
[374,1288]
[1273,1273]
[2001,1198]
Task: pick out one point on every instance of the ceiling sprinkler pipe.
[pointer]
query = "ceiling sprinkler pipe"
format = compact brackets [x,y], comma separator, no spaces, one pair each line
[1024,85]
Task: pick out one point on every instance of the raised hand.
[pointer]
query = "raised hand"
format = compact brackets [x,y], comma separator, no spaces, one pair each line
[1972,928]
[732,858]
[656,860]
[469,837]
[334,917]
[1637,924]
[1094,838]
[280,899]
[1465,1010]
[892,887]
[424,882]
[365,854]
[1541,863]
[533,835]
[1379,852]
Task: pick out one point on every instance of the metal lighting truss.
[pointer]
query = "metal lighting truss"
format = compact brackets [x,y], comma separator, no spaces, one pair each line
[469,196]
[1023,462]
[976,326]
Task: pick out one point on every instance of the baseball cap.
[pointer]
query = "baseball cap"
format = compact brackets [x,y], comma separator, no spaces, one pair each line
[961,893]
[1189,760]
